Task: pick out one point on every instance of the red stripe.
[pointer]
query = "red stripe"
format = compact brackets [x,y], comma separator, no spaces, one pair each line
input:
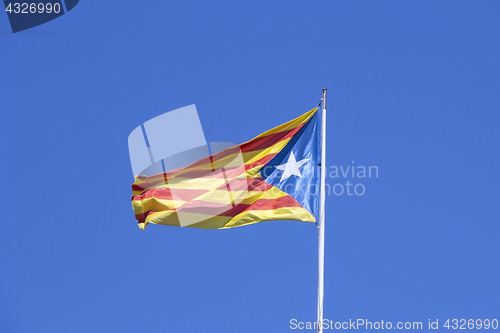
[268,141]
[166,194]
[231,172]
[250,184]
[217,209]
[263,204]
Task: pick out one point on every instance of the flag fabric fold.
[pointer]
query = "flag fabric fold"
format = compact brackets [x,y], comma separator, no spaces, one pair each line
[274,176]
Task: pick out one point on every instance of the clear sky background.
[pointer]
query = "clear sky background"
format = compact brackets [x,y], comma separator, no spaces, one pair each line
[413,89]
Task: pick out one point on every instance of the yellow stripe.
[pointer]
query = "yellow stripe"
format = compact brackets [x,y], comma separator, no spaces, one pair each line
[168,217]
[225,222]
[289,125]
[154,204]
[255,216]
[198,183]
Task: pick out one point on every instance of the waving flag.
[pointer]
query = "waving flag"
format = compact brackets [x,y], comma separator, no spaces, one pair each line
[274,176]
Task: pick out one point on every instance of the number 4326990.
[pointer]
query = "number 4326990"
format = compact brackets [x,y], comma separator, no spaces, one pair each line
[33,8]
[478,324]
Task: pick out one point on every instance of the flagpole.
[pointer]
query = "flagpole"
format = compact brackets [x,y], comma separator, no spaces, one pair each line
[321,222]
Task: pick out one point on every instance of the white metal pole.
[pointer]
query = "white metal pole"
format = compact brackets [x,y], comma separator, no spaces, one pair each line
[321,222]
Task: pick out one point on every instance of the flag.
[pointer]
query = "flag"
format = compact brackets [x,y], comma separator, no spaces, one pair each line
[274,176]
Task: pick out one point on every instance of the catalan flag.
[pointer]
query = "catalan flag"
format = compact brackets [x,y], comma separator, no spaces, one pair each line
[274,176]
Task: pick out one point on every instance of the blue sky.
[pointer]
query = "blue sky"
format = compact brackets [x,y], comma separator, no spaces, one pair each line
[413,89]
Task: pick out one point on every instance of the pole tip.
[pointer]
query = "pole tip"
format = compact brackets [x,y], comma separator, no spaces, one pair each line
[324,89]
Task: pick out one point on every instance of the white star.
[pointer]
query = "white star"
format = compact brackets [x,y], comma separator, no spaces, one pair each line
[291,167]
